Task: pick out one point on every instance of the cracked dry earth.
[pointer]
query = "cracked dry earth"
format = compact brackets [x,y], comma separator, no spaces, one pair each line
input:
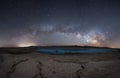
[36,65]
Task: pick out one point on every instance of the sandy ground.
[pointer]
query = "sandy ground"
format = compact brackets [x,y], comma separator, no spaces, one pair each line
[36,65]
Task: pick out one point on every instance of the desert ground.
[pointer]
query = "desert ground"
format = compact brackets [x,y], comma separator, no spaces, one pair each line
[38,65]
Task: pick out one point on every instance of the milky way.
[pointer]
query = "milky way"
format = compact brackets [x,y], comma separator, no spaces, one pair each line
[51,35]
[59,22]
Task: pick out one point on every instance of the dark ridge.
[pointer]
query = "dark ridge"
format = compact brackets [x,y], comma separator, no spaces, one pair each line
[75,46]
[25,50]
[16,50]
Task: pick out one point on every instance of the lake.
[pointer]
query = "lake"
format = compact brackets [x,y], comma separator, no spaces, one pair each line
[75,50]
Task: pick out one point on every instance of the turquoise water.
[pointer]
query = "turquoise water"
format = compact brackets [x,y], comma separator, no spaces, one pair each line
[75,51]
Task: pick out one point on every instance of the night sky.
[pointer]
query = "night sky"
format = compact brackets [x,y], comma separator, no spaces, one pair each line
[59,22]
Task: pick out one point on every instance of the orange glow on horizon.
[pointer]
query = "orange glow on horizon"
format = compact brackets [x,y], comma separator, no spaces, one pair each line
[26,44]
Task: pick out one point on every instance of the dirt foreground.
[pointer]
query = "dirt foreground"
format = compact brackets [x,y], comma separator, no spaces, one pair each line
[37,65]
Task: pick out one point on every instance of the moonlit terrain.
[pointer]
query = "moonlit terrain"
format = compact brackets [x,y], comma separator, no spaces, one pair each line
[45,63]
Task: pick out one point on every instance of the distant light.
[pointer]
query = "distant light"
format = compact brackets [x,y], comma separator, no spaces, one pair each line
[26,44]
[94,41]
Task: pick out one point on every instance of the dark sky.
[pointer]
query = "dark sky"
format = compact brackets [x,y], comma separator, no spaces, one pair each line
[60,22]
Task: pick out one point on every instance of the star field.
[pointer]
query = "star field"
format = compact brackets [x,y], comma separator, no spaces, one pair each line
[59,22]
